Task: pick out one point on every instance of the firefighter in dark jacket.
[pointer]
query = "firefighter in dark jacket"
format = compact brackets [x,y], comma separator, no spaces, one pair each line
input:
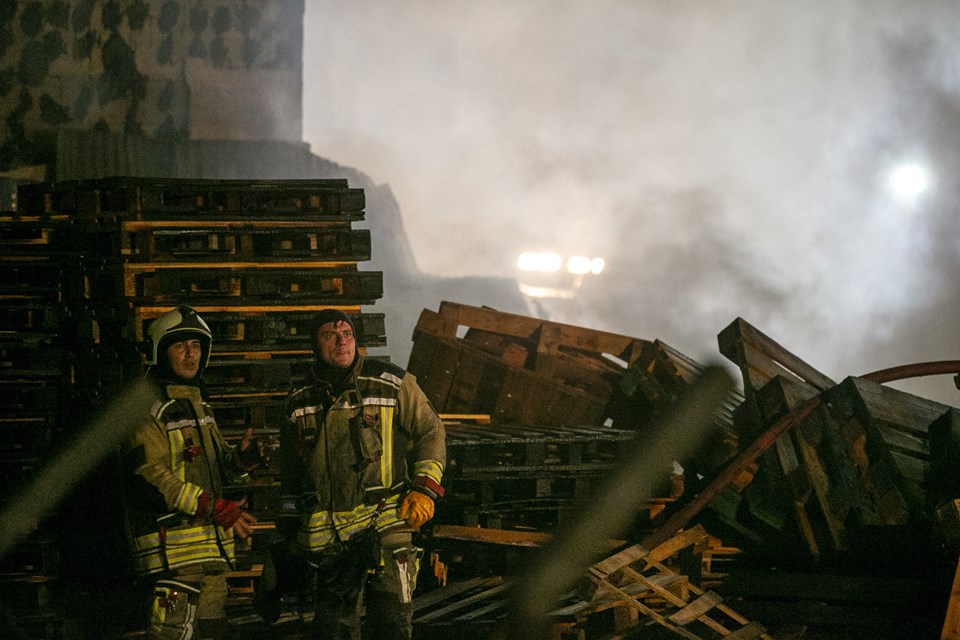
[180,523]
[346,481]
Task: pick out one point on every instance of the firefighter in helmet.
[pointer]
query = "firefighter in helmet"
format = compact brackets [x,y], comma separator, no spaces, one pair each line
[180,523]
[362,463]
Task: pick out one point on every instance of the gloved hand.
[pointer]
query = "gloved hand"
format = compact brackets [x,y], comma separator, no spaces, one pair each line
[416,509]
[227,513]
[251,452]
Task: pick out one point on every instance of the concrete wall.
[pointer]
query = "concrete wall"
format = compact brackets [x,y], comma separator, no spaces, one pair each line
[192,69]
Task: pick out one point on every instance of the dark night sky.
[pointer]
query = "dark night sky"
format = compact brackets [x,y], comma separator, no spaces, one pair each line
[726,159]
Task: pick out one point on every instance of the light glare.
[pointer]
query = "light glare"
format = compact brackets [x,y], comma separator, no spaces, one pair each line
[532,261]
[578,265]
[909,180]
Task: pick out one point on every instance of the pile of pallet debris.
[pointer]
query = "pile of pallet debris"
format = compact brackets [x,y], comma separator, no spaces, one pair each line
[812,509]
[806,509]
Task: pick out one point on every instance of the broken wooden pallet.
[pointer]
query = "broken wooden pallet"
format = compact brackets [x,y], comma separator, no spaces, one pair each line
[681,606]
[518,369]
[626,596]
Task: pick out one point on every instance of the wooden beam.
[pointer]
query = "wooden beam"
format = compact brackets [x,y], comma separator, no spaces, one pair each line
[745,345]
[518,326]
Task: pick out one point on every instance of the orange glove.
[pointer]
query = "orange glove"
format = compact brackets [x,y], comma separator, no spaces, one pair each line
[416,509]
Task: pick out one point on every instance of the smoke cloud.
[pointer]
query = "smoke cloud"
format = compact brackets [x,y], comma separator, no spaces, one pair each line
[726,159]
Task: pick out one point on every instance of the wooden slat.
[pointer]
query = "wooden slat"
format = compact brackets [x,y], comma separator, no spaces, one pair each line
[619,560]
[454,315]
[452,590]
[446,611]
[697,608]
[750,631]
[761,358]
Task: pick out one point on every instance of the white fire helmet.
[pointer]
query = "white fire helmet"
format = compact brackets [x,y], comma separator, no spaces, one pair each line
[182,323]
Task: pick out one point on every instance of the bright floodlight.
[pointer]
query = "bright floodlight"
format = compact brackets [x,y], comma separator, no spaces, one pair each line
[578,265]
[533,261]
[582,265]
[909,180]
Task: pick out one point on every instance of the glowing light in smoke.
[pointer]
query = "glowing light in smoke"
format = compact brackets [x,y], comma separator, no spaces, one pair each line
[582,265]
[544,268]
[578,264]
[908,180]
[546,261]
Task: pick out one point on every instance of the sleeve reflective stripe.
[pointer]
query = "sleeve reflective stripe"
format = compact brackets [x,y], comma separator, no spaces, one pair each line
[189,498]
[430,468]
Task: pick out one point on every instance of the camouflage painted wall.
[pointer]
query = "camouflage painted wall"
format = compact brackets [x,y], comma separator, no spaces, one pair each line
[140,67]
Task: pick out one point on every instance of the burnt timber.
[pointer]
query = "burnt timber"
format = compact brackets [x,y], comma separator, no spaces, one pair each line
[838,498]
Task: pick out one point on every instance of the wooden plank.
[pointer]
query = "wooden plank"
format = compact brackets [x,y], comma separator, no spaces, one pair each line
[645,610]
[761,358]
[822,488]
[434,362]
[450,591]
[894,406]
[750,631]
[450,609]
[696,609]
[475,418]
[512,351]
[477,382]
[491,536]
[619,560]
[896,427]
[675,583]
[485,319]
[780,395]
[674,545]
[681,600]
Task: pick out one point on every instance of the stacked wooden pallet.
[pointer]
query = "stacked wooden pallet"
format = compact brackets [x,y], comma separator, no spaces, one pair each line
[547,385]
[634,593]
[36,272]
[859,462]
[519,369]
[257,259]
[509,476]
[840,501]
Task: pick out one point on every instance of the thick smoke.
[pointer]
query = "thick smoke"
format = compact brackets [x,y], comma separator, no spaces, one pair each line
[726,159]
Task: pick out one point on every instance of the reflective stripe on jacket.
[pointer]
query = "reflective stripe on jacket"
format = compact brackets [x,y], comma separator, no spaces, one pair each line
[352,450]
[180,547]
[181,454]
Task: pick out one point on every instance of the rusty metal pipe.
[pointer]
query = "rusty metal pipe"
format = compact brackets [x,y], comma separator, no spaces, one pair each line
[917,370]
